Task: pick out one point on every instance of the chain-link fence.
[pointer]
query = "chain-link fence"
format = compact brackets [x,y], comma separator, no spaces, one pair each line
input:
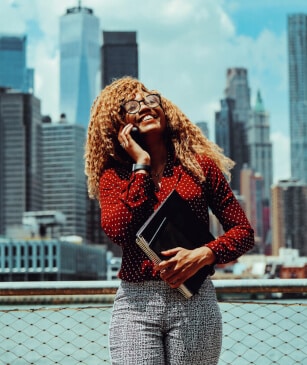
[264,334]
[255,333]
[48,336]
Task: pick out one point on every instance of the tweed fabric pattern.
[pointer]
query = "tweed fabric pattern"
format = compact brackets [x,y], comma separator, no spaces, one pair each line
[153,324]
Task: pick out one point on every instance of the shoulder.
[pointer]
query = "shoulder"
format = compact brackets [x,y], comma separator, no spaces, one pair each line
[207,164]
[214,177]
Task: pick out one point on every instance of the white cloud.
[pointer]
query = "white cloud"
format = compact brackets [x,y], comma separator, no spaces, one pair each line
[176,10]
[47,81]
[281,153]
[9,13]
[185,48]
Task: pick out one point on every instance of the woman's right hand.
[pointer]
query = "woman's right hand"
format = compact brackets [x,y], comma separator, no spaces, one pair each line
[137,153]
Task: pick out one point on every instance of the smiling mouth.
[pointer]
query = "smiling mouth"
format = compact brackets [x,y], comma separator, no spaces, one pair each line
[148,117]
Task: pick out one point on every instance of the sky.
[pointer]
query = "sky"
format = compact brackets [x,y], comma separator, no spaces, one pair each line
[185,48]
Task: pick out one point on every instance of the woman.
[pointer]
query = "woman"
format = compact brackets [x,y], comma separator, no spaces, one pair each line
[152,323]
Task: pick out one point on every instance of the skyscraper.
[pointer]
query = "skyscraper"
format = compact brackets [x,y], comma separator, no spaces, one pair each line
[237,88]
[260,146]
[251,188]
[232,119]
[297,55]
[289,216]
[203,127]
[224,126]
[20,174]
[230,135]
[13,71]
[119,56]
[63,179]
[79,63]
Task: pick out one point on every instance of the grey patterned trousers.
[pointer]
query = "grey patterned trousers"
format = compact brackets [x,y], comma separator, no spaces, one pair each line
[153,324]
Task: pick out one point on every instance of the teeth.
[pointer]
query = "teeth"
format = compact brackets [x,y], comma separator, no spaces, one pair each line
[147,117]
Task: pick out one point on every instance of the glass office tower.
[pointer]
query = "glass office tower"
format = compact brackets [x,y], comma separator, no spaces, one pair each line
[63,179]
[297,55]
[237,88]
[20,173]
[119,55]
[13,71]
[231,121]
[79,63]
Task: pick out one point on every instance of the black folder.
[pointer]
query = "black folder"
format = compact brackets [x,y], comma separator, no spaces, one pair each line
[175,224]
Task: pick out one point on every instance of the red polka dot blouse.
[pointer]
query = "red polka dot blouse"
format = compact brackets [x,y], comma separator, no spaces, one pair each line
[127,199]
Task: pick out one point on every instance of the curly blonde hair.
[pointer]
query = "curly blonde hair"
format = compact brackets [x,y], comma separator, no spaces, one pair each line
[102,148]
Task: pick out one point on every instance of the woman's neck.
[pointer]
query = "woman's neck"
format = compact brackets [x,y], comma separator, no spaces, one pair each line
[158,156]
[156,147]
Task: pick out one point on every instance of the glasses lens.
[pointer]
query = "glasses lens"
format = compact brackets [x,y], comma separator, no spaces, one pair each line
[152,100]
[132,106]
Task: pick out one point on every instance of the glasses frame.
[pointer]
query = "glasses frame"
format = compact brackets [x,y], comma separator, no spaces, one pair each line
[139,103]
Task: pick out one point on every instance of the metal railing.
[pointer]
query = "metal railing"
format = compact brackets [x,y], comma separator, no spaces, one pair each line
[67,322]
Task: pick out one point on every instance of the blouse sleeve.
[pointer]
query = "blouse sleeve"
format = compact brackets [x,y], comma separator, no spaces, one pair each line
[125,204]
[239,235]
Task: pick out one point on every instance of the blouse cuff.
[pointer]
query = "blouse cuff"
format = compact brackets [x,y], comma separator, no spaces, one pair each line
[215,247]
[141,187]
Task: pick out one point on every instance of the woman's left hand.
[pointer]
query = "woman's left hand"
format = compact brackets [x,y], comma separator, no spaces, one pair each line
[183,264]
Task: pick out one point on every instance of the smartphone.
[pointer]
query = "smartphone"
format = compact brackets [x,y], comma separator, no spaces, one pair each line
[136,135]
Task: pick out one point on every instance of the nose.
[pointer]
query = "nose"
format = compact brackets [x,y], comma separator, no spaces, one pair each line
[143,105]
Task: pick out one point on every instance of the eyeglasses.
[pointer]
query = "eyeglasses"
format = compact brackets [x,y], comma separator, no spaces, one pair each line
[133,106]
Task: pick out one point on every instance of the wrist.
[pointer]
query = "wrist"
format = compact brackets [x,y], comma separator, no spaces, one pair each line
[143,160]
[211,255]
[141,167]
[207,255]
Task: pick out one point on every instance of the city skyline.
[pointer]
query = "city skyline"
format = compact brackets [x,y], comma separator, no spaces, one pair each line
[183,48]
